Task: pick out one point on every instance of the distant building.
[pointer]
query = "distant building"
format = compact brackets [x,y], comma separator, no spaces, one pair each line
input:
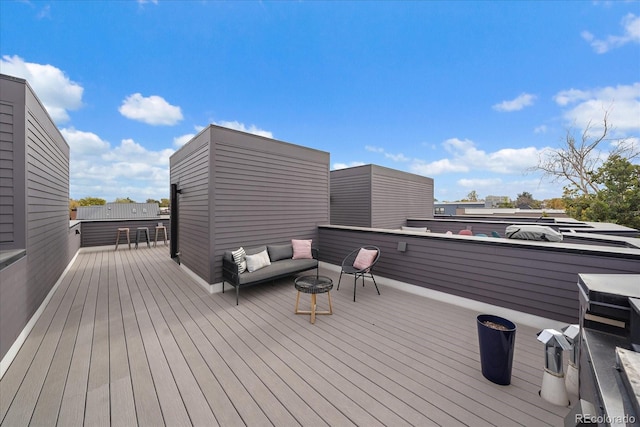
[118,211]
[455,208]
[496,201]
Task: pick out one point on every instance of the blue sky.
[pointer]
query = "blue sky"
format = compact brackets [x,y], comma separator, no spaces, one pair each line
[468,93]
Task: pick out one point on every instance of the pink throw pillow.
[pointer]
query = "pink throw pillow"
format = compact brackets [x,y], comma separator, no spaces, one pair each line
[365,258]
[301,249]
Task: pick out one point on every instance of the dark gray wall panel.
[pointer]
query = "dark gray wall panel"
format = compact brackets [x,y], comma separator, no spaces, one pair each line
[398,195]
[191,170]
[7,180]
[379,197]
[47,171]
[104,233]
[41,207]
[12,163]
[351,196]
[13,313]
[265,191]
[533,277]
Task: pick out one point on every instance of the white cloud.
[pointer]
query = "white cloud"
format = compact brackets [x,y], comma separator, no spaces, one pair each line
[631,34]
[128,170]
[466,157]
[153,110]
[523,100]
[83,143]
[373,149]
[395,157]
[540,129]
[621,102]
[437,167]
[179,141]
[476,183]
[52,87]
[241,127]
[346,165]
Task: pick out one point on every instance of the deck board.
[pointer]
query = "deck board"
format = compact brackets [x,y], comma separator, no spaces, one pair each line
[129,338]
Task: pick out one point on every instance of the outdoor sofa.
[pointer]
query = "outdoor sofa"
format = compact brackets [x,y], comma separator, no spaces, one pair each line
[245,267]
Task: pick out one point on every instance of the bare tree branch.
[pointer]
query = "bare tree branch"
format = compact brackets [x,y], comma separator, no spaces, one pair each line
[578,159]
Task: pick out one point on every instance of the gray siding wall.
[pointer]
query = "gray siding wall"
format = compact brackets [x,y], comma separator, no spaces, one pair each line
[41,191]
[103,233]
[398,195]
[191,170]
[264,191]
[351,196]
[14,313]
[240,189]
[379,197]
[12,165]
[533,277]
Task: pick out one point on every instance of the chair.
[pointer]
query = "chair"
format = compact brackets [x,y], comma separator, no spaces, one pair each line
[360,265]
[495,234]
[465,233]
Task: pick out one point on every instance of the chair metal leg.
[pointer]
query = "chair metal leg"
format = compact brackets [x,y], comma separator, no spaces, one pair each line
[237,293]
[338,288]
[374,282]
[355,282]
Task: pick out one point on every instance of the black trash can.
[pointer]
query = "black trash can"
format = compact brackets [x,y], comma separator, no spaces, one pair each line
[497,338]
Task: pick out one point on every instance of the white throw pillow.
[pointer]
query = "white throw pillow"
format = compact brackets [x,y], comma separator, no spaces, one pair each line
[238,258]
[257,261]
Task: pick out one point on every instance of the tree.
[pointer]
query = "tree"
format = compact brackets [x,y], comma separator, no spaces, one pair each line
[579,158]
[91,201]
[164,203]
[153,201]
[471,197]
[555,203]
[121,200]
[525,200]
[617,199]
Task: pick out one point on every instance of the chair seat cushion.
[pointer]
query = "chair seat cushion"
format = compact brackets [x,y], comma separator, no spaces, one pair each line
[280,268]
[365,258]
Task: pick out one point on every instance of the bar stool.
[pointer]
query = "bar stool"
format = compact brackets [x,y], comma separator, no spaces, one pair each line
[125,231]
[162,228]
[139,231]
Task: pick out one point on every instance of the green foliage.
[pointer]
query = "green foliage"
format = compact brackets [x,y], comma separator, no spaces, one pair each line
[121,200]
[152,201]
[164,203]
[617,199]
[91,201]
[472,196]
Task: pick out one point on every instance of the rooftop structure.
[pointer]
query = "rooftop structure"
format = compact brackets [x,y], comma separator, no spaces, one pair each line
[118,211]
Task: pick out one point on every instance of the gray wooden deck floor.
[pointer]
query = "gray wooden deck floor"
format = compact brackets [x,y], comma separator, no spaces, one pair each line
[130,339]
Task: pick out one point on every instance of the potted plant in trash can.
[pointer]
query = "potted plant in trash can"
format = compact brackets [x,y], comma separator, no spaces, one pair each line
[496,338]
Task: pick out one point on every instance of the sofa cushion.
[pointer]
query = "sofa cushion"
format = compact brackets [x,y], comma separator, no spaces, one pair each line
[278,252]
[301,249]
[257,261]
[280,268]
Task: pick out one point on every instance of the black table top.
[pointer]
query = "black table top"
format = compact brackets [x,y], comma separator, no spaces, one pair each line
[313,284]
